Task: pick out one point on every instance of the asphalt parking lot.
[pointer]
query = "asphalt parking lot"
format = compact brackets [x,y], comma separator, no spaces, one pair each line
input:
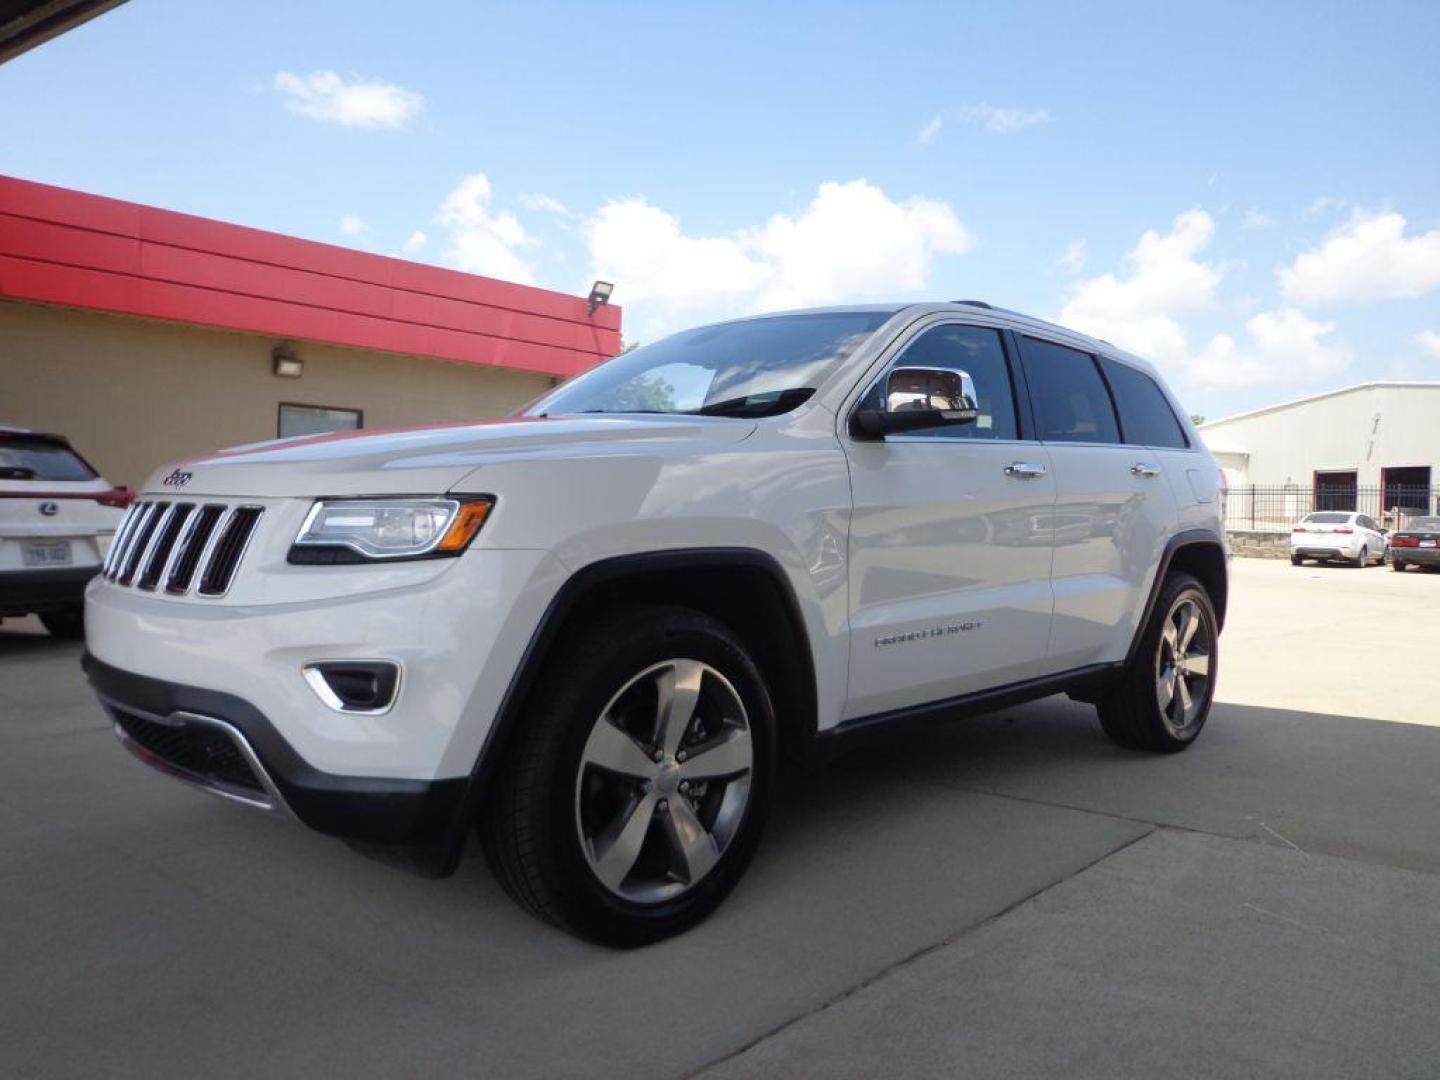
[1012,896]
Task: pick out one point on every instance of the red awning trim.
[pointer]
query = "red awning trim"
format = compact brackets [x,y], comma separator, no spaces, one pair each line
[65,247]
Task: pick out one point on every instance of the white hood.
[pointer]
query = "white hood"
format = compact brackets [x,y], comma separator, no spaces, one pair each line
[433,458]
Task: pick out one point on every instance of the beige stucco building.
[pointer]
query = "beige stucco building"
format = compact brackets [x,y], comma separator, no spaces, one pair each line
[147,336]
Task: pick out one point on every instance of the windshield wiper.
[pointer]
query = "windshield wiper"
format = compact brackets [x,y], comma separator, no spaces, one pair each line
[754,406]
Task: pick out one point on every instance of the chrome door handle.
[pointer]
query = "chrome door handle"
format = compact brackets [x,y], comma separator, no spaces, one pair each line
[1141,468]
[1025,470]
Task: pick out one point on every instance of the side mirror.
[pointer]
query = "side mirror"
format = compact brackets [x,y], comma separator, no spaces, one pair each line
[918,398]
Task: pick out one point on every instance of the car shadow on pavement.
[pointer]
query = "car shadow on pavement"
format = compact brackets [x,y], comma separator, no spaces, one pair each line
[174,925]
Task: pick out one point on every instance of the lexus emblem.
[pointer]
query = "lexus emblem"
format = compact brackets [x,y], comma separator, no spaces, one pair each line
[177,479]
[49,509]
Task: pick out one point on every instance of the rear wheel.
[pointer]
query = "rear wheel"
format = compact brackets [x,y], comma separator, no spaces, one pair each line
[1397,565]
[1363,559]
[1296,560]
[1164,698]
[67,624]
[636,795]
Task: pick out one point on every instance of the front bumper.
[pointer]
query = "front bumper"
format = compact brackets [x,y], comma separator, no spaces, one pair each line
[222,743]
[26,591]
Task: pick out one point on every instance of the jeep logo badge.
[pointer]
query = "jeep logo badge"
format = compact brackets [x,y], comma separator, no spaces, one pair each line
[49,509]
[177,479]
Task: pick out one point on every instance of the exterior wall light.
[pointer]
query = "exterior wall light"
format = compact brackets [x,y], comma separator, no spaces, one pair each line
[600,294]
[287,364]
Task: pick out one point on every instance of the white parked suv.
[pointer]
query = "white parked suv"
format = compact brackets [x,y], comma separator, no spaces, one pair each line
[599,629]
[57,517]
[1329,535]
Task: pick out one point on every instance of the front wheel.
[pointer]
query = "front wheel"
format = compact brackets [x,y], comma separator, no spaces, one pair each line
[1164,698]
[637,791]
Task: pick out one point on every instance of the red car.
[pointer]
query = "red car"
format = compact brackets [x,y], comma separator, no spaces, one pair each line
[1418,544]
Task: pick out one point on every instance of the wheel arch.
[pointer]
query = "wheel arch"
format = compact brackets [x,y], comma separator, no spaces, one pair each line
[1201,554]
[723,582]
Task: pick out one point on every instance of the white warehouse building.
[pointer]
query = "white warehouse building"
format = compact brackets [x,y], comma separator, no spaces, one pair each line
[1371,448]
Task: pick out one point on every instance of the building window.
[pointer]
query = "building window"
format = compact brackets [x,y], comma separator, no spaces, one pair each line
[1336,491]
[1407,488]
[317,420]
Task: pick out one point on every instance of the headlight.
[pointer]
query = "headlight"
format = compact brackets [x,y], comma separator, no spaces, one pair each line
[374,530]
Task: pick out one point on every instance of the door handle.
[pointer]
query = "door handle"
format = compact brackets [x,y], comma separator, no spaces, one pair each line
[1025,470]
[1141,468]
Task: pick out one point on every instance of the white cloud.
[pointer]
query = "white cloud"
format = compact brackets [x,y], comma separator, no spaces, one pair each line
[926,135]
[1284,346]
[545,204]
[1325,203]
[356,102]
[1166,279]
[1367,258]
[1429,340]
[1003,121]
[483,242]
[1072,261]
[353,225]
[1256,219]
[414,242]
[852,241]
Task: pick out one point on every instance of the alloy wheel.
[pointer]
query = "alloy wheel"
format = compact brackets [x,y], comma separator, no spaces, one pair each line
[663,781]
[1182,667]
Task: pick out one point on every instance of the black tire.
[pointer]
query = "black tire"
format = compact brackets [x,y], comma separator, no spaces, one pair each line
[1361,560]
[1296,560]
[530,828]
[68,624]
[1397,565]
[1131,712]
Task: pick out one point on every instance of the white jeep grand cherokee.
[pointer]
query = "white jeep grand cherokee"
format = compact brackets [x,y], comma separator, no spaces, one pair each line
[598,629]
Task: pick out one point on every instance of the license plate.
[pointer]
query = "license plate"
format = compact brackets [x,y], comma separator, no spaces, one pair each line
[1427,543]
[52,554]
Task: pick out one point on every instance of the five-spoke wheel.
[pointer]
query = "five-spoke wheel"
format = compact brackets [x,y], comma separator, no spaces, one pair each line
[1182,665]
[664,780]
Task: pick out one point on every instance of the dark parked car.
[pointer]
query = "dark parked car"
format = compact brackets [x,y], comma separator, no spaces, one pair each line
[1418,543]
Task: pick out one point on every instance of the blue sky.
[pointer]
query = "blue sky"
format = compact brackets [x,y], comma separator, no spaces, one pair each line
[1249,193]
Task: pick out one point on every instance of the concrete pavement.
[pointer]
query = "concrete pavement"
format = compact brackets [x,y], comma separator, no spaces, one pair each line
[1010,896]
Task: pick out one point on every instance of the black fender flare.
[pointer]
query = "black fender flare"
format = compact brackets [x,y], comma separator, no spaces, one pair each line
[547,632]
[1185,539]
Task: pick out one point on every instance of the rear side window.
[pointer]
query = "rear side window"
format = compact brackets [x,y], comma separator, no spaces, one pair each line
[1071,402]
[1145,414]
[24,457]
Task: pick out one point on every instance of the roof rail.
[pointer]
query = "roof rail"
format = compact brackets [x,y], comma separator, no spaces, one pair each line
[973,303]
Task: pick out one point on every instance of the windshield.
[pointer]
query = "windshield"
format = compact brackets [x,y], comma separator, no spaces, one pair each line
[1426,524]
[754,367]
[26,457]
[1328,519]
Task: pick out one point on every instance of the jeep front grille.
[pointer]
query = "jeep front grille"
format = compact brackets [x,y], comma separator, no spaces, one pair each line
[183,546]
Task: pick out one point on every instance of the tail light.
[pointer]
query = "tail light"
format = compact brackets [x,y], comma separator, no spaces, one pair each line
[1345,530]
[119,497]
[1404,541]
[1299,528]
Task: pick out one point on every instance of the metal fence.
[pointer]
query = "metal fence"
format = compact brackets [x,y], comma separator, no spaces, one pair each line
[1262,508]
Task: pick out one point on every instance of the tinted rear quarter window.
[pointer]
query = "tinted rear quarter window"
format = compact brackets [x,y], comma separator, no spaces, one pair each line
[1145,413]
[24,457]
[1071,402]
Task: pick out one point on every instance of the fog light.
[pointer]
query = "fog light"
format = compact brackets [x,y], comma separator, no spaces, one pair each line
[355,686]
